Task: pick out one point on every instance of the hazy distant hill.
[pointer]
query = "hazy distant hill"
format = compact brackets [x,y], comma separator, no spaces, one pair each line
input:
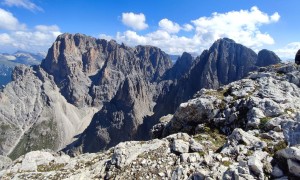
[9,61]
[174,58]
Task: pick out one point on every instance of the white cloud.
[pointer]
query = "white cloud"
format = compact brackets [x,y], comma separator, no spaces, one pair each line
[106,37]
[275,17]
[169,26]
[27,4]
[15,36]
[289,51]
[9,22]
[39,39]
[5,38]
[44,28]
[242,26]
[135,21]
[187,27]
[172,44]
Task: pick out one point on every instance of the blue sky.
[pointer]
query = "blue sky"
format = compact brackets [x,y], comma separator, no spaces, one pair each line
[173,25]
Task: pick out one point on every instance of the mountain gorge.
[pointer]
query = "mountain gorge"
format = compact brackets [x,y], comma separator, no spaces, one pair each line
[98,93]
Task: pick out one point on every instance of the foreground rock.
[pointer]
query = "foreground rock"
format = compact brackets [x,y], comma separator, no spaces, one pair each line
[155,159]
[259,115]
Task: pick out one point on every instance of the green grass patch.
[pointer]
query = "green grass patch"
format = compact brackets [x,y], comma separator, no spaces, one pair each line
[50,167]
[226,163]
[213,135]
[201,153]
[263,122]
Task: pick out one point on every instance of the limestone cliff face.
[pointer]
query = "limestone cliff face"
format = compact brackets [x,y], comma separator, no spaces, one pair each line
[34,115]
[88,71]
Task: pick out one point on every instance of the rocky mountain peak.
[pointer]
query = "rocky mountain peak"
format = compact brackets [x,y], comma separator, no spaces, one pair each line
[181,67]
[83,67]
[297,57]
[266,58]
[160,61]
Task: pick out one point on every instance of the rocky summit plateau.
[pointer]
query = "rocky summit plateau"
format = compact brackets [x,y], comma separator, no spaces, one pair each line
[96,109]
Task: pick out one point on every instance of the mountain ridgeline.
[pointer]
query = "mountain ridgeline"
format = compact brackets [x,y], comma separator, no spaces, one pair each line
[90,94]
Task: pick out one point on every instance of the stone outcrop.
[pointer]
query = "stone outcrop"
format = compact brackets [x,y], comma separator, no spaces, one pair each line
[297,57]
[258,114]
[266,58]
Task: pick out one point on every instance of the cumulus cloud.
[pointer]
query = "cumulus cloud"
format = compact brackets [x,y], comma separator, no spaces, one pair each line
[242,26]
[170,43]
[27,4]
[169,26]
[106,37]
[9,22]
[38,39]
[187,27]
[135,21]
[289,51]
[16,36]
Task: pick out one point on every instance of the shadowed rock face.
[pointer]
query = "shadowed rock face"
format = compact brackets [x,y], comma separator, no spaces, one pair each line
[266,58]
[297,57]
[180,68]
[225,62]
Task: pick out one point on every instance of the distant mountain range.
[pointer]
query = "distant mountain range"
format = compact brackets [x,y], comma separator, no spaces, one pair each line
[9,61]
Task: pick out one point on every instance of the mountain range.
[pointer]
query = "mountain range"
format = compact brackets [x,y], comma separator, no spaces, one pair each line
[100,93]
[91,95]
